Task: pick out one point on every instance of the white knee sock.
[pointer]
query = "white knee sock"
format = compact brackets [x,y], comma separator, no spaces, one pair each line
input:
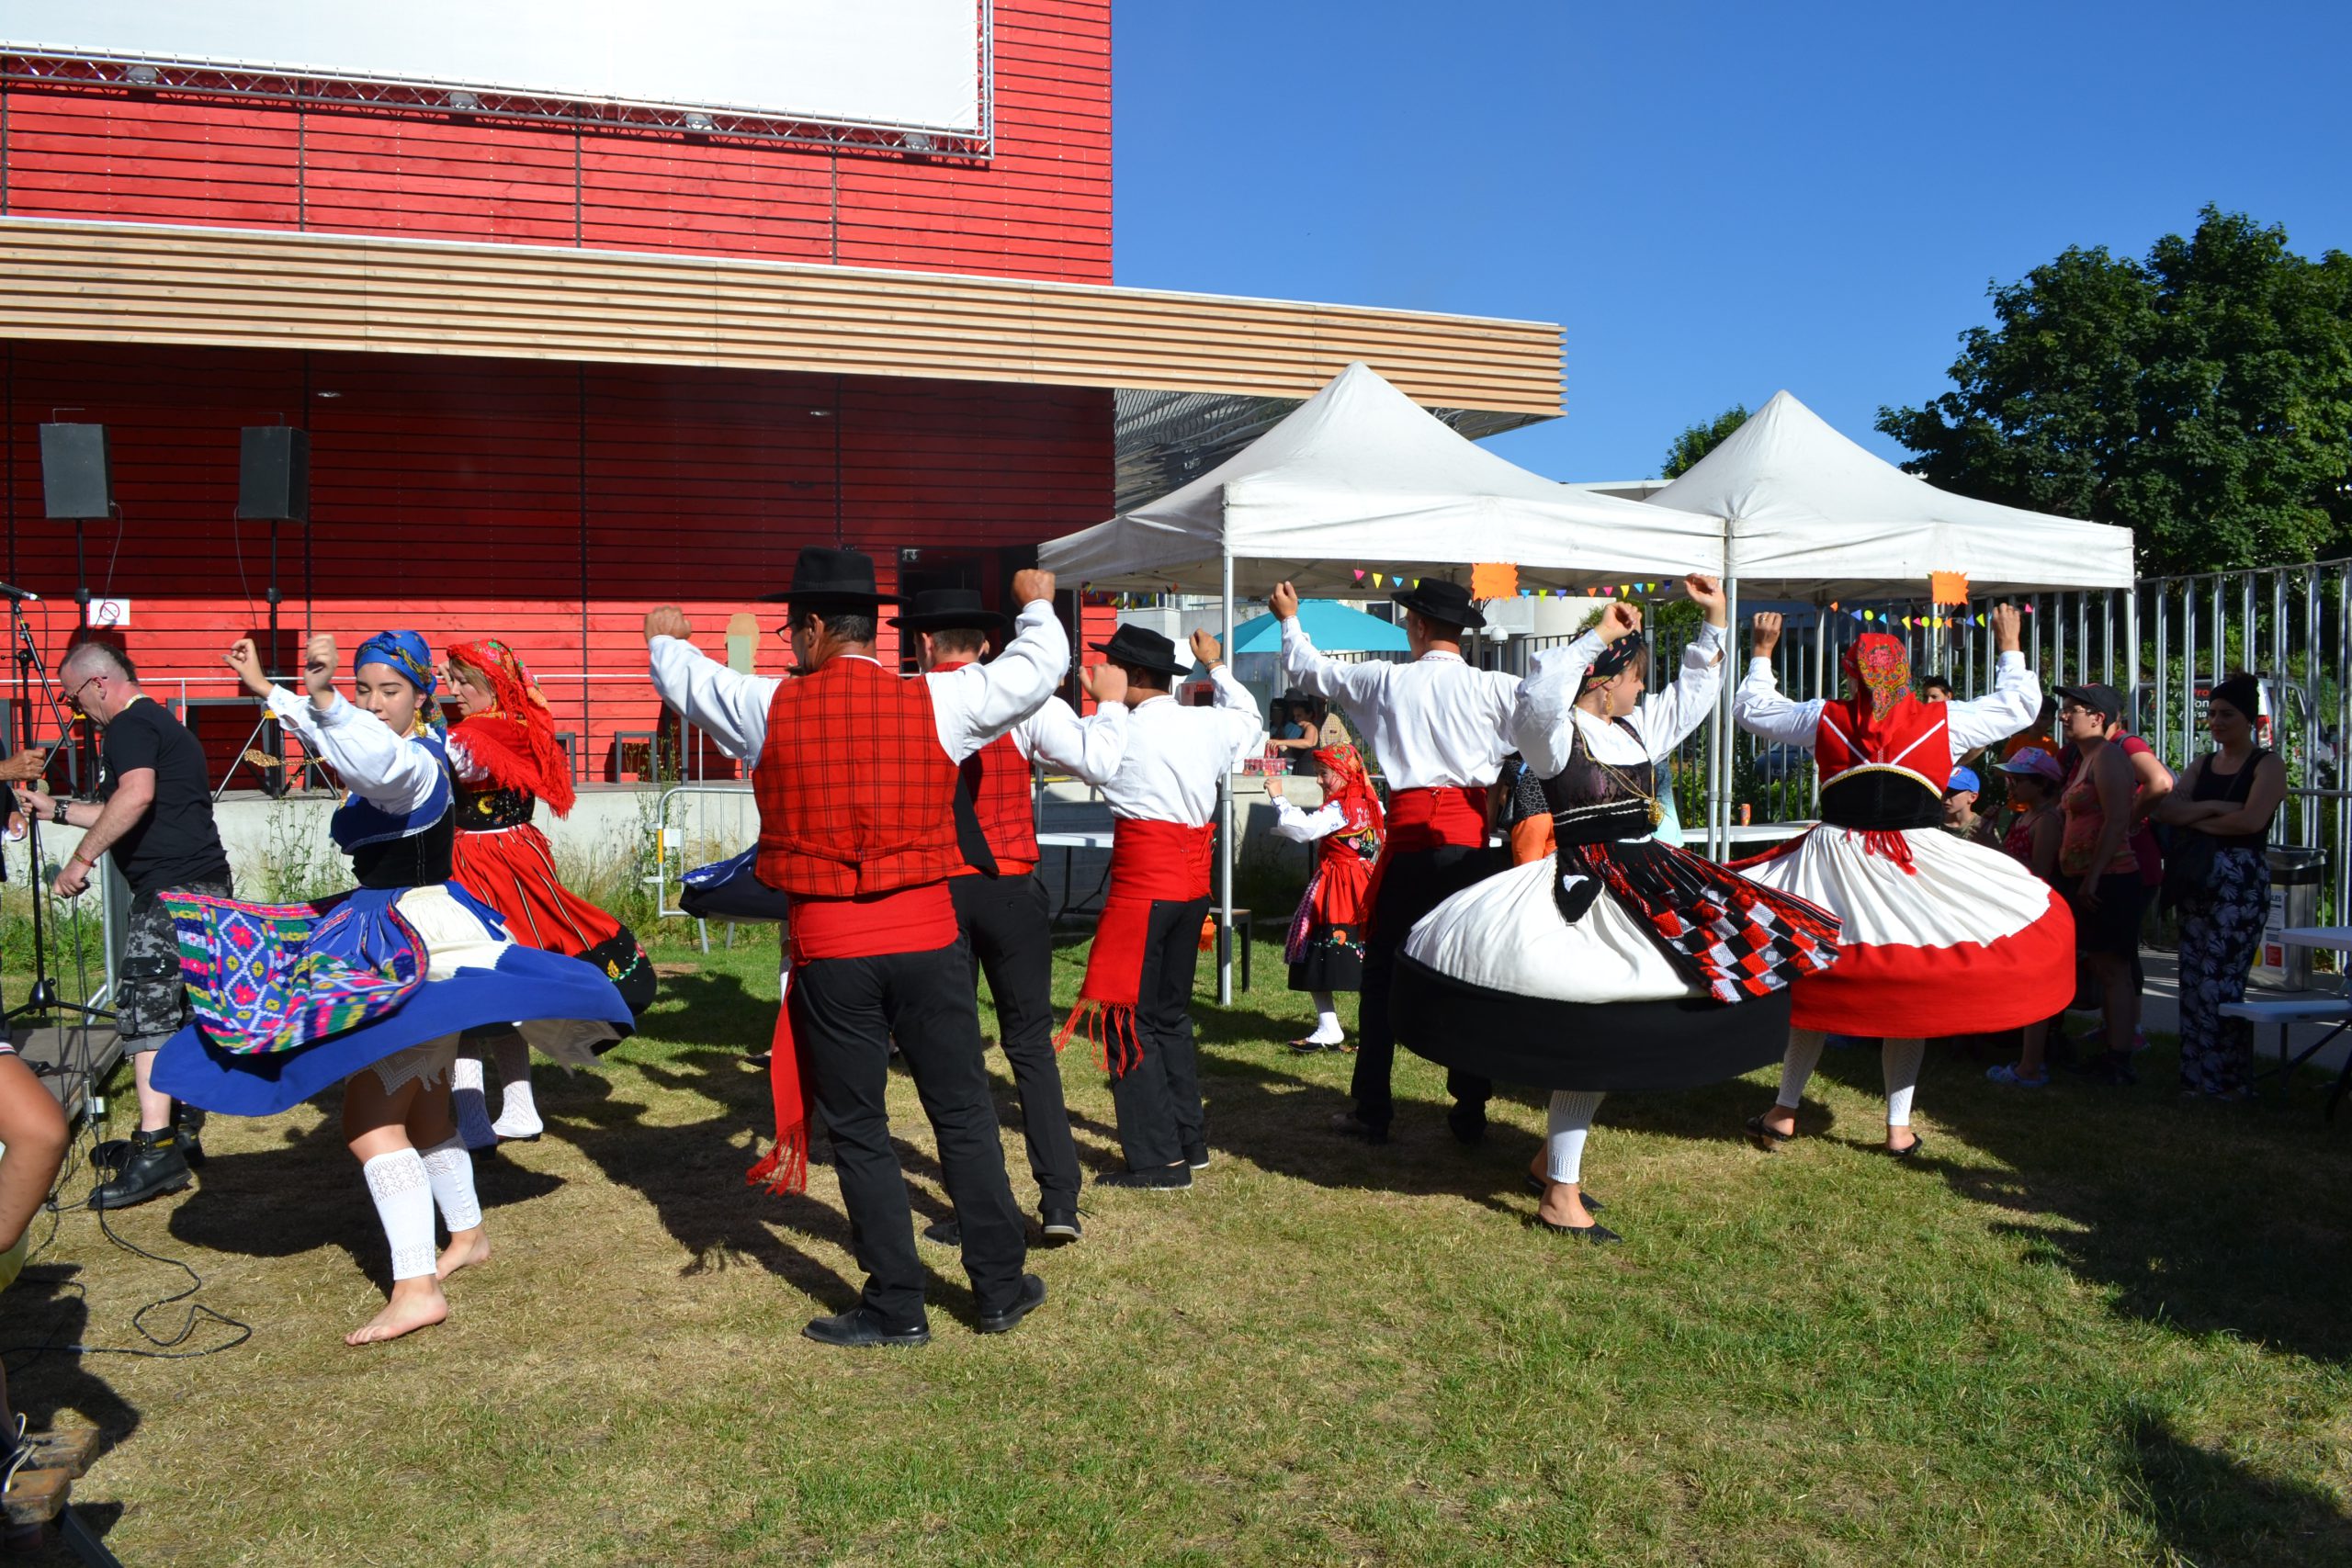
[467,1100]
[1900,1060]
[451,1171]
[518,1117]
[405,1203]
[1327,1019]
[1571,1119]
[1796,1067]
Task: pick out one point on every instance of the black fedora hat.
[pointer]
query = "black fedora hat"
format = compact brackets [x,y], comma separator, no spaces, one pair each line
[1145,650]
[951,609]
[830,577]
[1442,601]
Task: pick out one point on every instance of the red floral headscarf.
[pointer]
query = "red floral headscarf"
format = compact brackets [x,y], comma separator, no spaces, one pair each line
[1878,677]
[1354,796]
[514,740]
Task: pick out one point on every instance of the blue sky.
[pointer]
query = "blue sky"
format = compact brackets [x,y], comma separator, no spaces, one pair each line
[1712,200]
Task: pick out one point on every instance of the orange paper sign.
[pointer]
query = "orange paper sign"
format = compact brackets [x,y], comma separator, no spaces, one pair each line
[1948,587]
[1489,581]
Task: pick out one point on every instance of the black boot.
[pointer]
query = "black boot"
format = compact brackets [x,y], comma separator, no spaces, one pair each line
[189,1119]
[156,1166]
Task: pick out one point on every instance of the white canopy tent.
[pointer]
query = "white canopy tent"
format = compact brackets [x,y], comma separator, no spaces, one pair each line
[1810,515]
[1359,478]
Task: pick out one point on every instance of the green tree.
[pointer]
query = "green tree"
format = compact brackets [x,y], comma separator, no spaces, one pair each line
[1701,439]
[2201,397]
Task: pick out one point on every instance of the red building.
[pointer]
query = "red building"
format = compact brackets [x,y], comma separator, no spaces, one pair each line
[562,359]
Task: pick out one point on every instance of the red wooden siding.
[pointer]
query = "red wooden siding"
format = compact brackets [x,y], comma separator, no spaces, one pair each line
[1040,207]
[549,504]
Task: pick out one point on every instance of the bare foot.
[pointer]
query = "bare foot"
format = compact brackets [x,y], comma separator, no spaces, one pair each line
[408,1311]
[1564,1204]
[464,1251]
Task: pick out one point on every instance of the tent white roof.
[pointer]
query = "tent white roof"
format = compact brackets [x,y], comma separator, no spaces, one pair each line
[1360,477]
[1814,516]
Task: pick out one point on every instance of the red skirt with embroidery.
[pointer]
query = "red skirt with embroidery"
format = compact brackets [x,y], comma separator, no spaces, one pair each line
[512,871]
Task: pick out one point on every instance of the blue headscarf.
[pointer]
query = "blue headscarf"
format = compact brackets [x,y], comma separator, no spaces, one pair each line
[413,657]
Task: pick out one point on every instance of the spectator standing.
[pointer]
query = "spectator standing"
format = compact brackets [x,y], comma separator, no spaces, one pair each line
[1959,802]
[154,812]
[2100,875]
[2035,828]
[2228,800]
[1936,688]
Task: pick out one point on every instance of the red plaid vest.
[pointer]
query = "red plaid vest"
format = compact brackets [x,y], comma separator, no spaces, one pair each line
[994,788]
[855,796]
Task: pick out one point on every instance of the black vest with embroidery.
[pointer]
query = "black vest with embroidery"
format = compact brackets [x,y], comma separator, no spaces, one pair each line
[488,806]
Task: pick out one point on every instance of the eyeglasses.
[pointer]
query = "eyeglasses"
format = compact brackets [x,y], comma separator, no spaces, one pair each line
[74,695]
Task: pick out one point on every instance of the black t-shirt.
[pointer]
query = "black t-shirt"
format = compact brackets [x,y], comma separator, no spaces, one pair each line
[176,843]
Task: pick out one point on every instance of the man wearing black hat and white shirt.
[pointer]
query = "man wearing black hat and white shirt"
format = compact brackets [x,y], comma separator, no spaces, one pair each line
[1158,767]
[1000,903]
[855,779]
[1440,731]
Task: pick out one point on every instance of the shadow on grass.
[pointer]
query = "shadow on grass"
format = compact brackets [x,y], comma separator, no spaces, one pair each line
[46,1312]
[2207,1218]
[2216,1513]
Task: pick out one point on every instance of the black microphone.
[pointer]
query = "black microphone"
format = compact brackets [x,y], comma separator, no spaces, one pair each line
[9,590]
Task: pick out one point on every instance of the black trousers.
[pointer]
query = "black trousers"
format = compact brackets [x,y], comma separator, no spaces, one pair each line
[1159,1099]
[1415,883]
[1012,937]
[845,1013]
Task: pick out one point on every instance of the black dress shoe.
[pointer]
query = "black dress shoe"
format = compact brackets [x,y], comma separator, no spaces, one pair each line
[1197,1155]
[1348,1124]
[1538,1186]
[1032,1297]
[861,1325]
[946,1233]
[1166,1178]
[1468,1124]
[1907,1150]
[155,1165]
[1599,1235]
[1058,1224]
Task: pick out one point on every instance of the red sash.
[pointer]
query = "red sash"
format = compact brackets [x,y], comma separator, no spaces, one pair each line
[1424,819]
[1151,863]
[914,920]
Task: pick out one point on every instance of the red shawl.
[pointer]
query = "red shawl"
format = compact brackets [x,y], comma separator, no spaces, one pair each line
[513,741]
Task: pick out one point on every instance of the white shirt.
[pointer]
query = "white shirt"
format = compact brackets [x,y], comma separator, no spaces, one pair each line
[1545,719]
[970,705]
[1306,826]
[2015,699]
[1167,760]
[1433,722]
[394,772]
[1085,750]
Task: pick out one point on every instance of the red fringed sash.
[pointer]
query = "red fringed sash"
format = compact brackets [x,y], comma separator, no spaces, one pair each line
[914,920]
[1421,820]
[1151,863]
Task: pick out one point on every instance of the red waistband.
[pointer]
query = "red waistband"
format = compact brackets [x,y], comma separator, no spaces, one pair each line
[910,920]
[1160,859]
[1433,817]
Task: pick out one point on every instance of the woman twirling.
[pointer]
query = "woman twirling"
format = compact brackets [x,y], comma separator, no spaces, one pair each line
[505,760]
[373,987]
[1619,963]
[1941,936]
[1325,947]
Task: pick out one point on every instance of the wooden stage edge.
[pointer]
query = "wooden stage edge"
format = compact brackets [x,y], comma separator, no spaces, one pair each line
[68,1057]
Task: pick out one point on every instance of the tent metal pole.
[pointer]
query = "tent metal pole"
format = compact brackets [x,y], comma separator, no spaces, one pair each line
[1820,682]
[1718,793]
[1225,830]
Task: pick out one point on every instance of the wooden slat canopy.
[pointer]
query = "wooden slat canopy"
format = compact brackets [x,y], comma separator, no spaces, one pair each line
[161,284]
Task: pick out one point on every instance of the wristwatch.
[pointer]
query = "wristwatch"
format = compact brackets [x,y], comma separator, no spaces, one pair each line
[57,812]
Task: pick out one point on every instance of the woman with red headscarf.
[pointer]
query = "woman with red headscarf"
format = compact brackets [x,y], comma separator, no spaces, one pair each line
[505,759]
[1325,948]
[1941,935]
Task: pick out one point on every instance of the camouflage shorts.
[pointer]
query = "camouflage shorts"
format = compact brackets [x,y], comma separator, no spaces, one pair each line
[148,1001]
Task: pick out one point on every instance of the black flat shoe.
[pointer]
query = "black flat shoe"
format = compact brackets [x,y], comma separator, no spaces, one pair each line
[1907,1150]
[1060,1226]
[1032,1297]
[1764,1136]
[1599,1235]
[946,1233]
[861,1326]
[1348,1124]
[1467,1124]
[1197,1155]
[1538,1186]
[1168,1178]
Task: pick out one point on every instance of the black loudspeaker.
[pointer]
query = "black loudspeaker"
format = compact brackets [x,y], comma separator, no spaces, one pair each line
[274,473]
[76,480]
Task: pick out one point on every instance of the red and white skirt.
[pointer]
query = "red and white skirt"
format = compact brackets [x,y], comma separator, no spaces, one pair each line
[1939,936]
[512,871]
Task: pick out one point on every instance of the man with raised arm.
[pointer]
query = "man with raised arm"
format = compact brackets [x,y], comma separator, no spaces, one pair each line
[1439,730]
[856,777]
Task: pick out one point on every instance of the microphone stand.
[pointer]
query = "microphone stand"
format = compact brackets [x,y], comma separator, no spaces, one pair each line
[42,999]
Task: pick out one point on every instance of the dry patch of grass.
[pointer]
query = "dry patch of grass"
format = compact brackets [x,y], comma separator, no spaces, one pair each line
[2091,1326]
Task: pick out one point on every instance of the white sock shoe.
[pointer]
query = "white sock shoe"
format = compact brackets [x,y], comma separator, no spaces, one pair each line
[1327,1030]
[403,1195]
[467,1101]
[449,1170]
[517,1116]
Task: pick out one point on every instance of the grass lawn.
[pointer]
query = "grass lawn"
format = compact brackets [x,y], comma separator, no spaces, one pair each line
[2090,1325]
